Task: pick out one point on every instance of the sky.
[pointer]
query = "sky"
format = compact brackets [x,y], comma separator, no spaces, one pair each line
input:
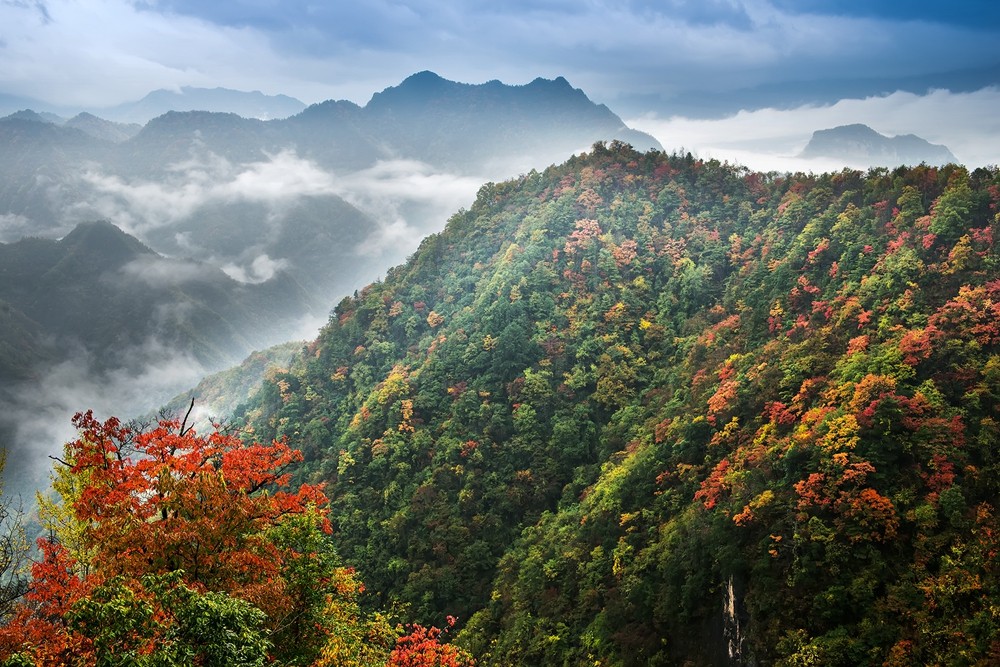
[95,52]
[653,59]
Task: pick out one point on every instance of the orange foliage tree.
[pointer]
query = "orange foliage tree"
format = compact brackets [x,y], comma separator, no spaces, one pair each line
[423,648]
[190,535]
[167,499]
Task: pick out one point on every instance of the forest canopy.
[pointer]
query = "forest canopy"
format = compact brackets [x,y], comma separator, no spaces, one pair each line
[648,409]
[635,409]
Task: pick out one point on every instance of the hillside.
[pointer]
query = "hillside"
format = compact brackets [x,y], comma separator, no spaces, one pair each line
[643,409]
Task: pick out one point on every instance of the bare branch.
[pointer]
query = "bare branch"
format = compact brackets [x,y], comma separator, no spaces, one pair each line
[59,460]
[184,421]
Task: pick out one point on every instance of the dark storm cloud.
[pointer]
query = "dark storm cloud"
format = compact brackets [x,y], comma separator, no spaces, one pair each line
[319,27]
[657,50]
[982,15]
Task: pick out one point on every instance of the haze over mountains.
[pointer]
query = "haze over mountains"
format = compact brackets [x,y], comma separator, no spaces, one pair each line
[103,288]
[304,208]
[234,233]
[732,403]
[158,102]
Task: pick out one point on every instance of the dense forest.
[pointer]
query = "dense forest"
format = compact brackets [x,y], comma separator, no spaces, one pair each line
[645,409]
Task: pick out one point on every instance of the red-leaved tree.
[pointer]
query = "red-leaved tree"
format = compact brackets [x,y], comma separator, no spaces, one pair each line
[204,516]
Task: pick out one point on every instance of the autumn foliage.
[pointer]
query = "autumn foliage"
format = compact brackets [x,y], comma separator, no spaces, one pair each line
[161,501]
[42,620]
[422,648]
[190,547]
[695,394]
[637,409]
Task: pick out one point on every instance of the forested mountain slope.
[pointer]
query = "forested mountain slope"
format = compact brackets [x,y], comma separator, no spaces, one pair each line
[644,409]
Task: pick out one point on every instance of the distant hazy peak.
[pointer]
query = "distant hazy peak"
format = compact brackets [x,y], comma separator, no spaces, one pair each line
[859,143]
[424,78]
[103,129]
[218,93]
[559,80]
[101,236]
[329,107]
[175,116]
[254,104]
[195,120]
[428,78]
[858,130]
[558,84]
[27,114]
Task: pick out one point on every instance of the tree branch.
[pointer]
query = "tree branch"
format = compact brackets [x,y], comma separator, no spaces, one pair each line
[184,421]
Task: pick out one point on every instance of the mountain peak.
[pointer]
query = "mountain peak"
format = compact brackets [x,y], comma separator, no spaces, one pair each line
[558,82]
[415,89]
[26,114]
[426,77]
[427,86]
[860,144]
[104,238]
[852,129]
[103,129]
[452,123]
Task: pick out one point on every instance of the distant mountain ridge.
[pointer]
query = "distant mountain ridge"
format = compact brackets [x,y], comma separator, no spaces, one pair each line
[475,128]
[250,104]
[425,117]
[253,104]
[484,131]
[860,143]
[85,122]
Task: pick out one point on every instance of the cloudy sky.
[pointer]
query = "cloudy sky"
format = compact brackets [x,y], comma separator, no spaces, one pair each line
[657,60]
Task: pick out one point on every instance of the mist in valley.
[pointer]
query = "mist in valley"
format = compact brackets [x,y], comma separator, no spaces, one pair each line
[235,235]
[205,215]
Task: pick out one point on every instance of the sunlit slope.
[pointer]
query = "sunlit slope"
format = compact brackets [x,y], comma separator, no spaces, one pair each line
[643,409]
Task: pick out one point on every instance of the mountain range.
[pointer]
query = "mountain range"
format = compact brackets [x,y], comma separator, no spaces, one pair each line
[250,196]
[158,102]
[235,233]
